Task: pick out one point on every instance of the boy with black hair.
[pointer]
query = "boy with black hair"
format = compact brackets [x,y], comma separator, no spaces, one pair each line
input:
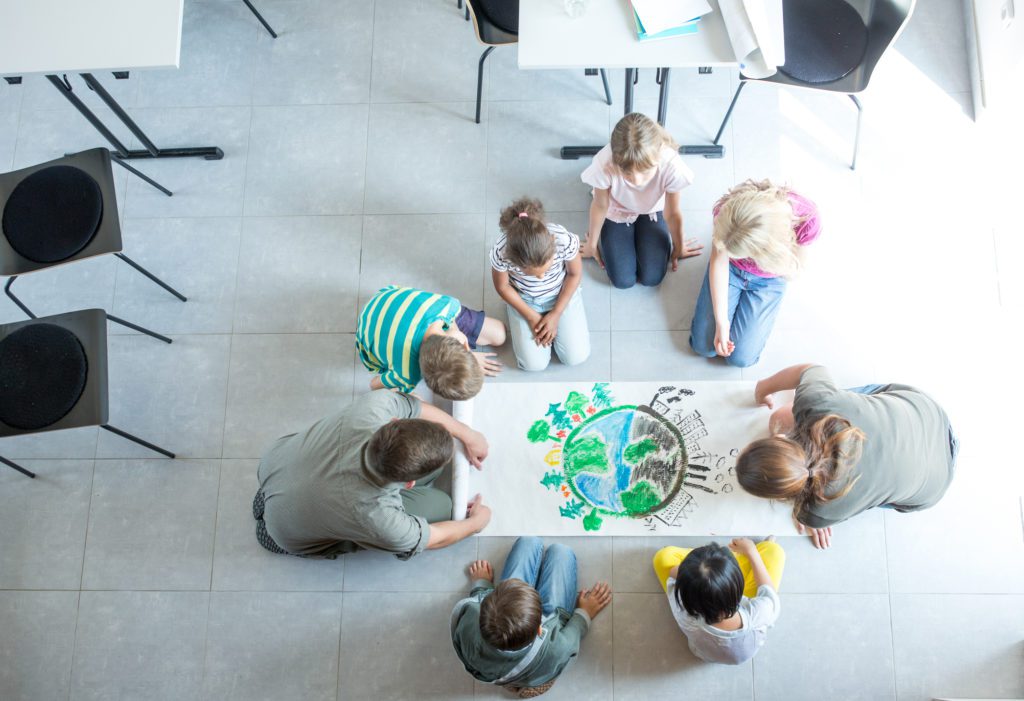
[724,599]
[520,634]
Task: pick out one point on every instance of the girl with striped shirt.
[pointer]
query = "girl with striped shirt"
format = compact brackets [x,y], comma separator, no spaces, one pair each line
[536,268]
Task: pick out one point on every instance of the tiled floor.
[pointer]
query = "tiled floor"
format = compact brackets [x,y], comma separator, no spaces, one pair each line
[352,161]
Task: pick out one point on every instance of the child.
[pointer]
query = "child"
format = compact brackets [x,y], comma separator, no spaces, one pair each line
[759,237]
[636,179]
[404,334]
[537,270]
[520,633]
[724,602]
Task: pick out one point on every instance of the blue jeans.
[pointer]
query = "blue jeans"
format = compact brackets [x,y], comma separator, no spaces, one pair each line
[636,252]
[552,572]
[753,305]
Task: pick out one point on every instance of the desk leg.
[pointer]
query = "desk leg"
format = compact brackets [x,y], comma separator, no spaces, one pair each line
[630,82]
[210,153]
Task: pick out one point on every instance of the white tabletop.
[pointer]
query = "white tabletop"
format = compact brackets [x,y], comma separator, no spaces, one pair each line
[605,37]
[56,36]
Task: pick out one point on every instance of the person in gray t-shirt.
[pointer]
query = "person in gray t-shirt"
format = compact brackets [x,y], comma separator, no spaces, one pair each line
[836,452]
[361,478]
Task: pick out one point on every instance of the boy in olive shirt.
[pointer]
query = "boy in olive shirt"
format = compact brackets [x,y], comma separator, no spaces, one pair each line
[361,478]
[521,633]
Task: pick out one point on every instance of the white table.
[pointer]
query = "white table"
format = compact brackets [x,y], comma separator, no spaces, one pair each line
[53,37]
[605,37]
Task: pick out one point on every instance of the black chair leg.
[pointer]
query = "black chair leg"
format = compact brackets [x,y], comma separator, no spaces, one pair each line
[139,174]
[856,137]
[260,18]
[607,91]
[17,467]
[140,329]
[136,439]
[728,112]
[152,277]
[21,305]
[480,79]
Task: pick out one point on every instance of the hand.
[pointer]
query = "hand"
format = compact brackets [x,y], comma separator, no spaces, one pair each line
[545,331]
[690,248]
[479,512]
[762,397]
[723,344]
[475,444]
[481,569]
[743,545]
[821,537]
[589,250]
[594,600]
[488,362]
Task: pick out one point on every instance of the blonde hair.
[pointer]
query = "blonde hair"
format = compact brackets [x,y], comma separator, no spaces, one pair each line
[637,142]
[528,243]
[804,466]
[755,220]
[450,370]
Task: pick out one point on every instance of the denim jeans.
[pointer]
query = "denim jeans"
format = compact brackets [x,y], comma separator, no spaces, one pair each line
[754,303]
[572,341]
[551,572]
[636,252]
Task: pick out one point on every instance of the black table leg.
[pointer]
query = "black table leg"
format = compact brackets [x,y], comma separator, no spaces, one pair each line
[571,153]
[210,153]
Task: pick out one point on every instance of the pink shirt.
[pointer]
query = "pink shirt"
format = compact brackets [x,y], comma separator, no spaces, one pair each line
[629,201]
[806,231]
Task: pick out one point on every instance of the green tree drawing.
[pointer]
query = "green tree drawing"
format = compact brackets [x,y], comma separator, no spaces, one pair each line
[640,499]
[573,509]
[540,432]
[552,480]
[636,452]
[602,397]
[559,419]
[576,402]
[592,522]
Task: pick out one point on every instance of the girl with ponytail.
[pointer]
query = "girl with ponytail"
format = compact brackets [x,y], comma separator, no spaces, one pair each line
[834,453]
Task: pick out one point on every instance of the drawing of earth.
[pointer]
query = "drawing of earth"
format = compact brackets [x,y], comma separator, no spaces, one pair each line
[625,461]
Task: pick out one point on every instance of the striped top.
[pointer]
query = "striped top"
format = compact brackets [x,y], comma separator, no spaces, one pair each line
[567,247]
[391,330]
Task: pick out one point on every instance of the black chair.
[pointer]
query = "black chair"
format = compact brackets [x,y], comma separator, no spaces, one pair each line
[53,375]
[59,212]
[496,23]
[829,47]
[264,22]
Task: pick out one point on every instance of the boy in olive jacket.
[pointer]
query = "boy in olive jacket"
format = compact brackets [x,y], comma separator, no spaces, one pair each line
[521,633]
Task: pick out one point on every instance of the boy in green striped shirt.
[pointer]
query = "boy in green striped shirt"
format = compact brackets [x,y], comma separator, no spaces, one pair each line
[405,334]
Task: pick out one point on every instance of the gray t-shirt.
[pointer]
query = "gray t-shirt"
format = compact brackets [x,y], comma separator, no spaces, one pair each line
[322,498]
[729,646]
[906,461]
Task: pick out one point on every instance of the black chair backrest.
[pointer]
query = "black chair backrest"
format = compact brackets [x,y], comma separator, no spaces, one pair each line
[496,21]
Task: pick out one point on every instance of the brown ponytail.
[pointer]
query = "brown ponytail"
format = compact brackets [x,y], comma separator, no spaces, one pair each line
[528,243]
[803,466]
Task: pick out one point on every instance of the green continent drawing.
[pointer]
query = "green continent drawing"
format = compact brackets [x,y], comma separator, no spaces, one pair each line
[625,461]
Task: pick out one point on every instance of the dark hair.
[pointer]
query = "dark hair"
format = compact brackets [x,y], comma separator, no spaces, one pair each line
[709,583]
[510,615]
[805,465]
[528,243]
[408,449]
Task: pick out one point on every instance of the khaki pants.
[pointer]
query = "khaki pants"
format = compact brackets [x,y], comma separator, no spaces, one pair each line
[426,501]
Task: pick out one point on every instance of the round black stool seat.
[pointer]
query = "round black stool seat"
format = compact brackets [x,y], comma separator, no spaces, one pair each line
[53,214]
[825,40]
[42,376]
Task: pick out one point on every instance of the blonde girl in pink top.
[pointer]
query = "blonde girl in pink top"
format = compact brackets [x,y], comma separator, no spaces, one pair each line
[636,217]
[759,238]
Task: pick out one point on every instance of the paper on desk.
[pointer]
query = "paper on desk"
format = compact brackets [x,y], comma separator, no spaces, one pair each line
[756,33]
[660,15]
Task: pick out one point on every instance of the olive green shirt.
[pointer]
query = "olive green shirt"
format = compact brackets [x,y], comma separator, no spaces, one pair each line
[535,664]
[906,461]
[322,498]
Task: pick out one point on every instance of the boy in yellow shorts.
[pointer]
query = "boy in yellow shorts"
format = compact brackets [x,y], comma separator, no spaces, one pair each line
[724,599]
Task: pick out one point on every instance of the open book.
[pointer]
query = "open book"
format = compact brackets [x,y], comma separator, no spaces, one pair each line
[755,32]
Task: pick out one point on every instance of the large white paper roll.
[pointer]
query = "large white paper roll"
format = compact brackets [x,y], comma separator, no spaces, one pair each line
[461,411]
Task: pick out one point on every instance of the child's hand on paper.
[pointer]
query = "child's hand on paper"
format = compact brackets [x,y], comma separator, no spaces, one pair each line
[762,397]
[479,512]
[476,447]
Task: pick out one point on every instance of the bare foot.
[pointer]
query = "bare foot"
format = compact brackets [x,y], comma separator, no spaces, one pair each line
[481,569]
